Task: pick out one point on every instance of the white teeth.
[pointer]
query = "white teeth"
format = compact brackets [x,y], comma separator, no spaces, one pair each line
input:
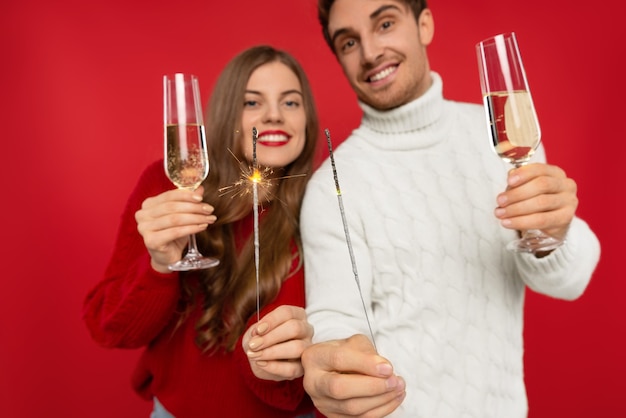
[274,138]
[384,73]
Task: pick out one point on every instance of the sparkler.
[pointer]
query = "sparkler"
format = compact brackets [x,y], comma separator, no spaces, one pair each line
[251,179]
[256,177]
[347,233]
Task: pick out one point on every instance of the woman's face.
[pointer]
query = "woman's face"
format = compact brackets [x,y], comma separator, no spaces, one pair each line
[273,104]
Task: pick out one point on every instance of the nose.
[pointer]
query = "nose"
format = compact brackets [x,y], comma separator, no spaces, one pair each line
[273,113]
[371,50]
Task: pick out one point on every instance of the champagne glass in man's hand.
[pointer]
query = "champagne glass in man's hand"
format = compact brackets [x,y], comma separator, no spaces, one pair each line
[186,161]
[513,126]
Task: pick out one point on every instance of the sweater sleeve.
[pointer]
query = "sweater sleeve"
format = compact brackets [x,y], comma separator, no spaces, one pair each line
[566,272]
[331,289]
[132,303]
[287,394]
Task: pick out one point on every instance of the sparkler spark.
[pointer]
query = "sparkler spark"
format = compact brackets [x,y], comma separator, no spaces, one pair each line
[347,233]
[262,176]
[250,175]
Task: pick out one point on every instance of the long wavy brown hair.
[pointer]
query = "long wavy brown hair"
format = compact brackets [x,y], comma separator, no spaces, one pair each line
[228,292]
[323,14]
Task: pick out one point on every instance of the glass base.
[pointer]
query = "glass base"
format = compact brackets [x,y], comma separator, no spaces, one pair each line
[193,263]
[534,241]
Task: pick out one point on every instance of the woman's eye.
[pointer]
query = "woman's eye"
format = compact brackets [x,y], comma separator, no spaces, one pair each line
[249,103]
[292,103]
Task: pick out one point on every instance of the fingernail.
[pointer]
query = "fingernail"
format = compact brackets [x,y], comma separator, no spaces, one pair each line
[392,382]
[262,327]
[384,369]
[253,354]
[513,180]
[255,342]
[502,199]
[500,212]
[261,363]
[196,197]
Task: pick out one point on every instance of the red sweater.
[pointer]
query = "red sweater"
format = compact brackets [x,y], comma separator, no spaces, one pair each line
[134,306]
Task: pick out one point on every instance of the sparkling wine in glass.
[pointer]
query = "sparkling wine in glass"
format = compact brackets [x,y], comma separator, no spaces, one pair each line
[511,118]
[186,160]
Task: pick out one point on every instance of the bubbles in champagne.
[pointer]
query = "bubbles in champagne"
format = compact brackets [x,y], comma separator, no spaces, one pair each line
[187,163]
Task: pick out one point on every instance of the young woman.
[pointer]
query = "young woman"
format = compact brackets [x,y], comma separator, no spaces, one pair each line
[204,352]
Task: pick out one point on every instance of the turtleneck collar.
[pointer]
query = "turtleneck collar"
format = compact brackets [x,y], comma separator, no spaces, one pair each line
[407,123]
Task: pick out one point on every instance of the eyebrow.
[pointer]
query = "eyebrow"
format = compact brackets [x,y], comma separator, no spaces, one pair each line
[373,16]
[284,93]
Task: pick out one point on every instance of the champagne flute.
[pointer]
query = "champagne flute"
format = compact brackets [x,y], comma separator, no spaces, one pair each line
[511,118]
[186,161]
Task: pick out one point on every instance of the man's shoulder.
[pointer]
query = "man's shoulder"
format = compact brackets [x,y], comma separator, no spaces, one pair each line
[467,112]
[466,106]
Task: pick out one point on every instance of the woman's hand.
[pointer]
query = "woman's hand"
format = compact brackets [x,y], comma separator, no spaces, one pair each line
[274,344]
[165,221]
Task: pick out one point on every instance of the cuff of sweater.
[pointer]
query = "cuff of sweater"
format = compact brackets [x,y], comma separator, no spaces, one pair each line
[150,278]
[566,271]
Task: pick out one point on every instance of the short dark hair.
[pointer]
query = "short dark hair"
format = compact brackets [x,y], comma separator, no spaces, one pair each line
[323,12]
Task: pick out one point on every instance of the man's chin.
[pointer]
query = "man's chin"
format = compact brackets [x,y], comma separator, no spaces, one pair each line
[382,102]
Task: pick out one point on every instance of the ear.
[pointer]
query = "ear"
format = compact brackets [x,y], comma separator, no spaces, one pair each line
[426,27]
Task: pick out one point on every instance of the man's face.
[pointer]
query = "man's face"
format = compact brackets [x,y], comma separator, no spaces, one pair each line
[382,50]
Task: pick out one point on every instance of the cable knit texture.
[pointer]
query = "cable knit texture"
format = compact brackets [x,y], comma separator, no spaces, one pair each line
[444,296]
[134,306]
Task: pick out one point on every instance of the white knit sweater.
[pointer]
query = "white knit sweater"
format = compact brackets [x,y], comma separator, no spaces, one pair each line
[445,297]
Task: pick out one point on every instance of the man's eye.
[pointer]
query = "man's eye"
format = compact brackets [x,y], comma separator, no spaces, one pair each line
[387,24]
[348,44]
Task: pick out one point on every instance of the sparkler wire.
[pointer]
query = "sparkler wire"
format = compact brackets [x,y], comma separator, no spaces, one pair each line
[255,209]
[347,233]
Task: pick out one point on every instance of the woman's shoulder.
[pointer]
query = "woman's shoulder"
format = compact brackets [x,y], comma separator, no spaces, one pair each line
[155,168]
[154,173]
[152,181]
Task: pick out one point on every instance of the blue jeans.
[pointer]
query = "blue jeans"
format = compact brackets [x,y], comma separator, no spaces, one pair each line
[159,411]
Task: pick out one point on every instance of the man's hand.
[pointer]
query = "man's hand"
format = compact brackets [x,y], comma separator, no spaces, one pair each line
[347,378]
[539,196]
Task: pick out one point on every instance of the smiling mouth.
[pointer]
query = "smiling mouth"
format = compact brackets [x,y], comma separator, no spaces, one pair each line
[273,139]
[382,74]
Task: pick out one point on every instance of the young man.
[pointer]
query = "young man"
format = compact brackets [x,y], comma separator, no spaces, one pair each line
[419,183]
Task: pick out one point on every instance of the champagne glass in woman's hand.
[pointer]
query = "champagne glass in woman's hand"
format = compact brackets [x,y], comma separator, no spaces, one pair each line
[513,125]
[186,160]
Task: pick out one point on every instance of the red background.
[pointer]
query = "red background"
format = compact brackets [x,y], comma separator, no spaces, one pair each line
[81,113]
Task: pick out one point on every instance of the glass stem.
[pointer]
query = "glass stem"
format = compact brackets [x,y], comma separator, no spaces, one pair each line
[192,248]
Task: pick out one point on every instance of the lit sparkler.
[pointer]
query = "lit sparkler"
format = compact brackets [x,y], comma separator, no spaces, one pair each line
[261,176]
[252,179]
[347,233]
[249,176]
[255,179]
